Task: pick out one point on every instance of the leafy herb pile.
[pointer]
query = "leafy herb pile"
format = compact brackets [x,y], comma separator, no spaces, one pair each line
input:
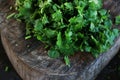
[67,26]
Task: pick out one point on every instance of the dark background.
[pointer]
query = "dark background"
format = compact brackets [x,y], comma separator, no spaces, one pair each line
[10,74]
[110,72]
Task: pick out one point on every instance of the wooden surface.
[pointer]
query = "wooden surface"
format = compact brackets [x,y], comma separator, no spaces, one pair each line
[31,61]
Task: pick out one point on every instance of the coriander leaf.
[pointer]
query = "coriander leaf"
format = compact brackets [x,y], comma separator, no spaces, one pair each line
[45,19]
[116,32]
[103,12]
[68,5]
[38,25]
[28,37]
[57,16]
[117,20]
[68,36]
[11,15]
[59,40]
[92,27]
[53,53]
[27,4]
[50,33]
[67,61]
[95,4]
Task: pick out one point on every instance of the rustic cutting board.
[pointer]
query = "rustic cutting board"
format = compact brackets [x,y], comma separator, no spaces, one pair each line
[31,61]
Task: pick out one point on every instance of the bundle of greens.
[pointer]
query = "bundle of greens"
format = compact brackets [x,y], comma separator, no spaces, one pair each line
[67,26]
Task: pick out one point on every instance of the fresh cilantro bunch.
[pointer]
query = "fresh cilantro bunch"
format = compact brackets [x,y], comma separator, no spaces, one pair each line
[68,26]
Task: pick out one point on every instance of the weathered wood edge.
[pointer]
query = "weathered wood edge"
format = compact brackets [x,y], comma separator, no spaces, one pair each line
[25,71]
[95,67]
[28,73]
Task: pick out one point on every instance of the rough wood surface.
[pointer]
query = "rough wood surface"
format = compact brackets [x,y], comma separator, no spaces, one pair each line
[31,61]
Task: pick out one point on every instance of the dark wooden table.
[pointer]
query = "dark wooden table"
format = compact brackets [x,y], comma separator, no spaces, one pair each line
[31,61]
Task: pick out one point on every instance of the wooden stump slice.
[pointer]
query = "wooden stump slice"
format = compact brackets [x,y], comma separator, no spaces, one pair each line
[31,61]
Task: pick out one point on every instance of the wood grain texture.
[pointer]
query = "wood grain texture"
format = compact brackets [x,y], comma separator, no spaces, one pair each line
[31,61]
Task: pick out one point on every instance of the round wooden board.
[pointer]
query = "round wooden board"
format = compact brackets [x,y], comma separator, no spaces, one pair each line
[31,61]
